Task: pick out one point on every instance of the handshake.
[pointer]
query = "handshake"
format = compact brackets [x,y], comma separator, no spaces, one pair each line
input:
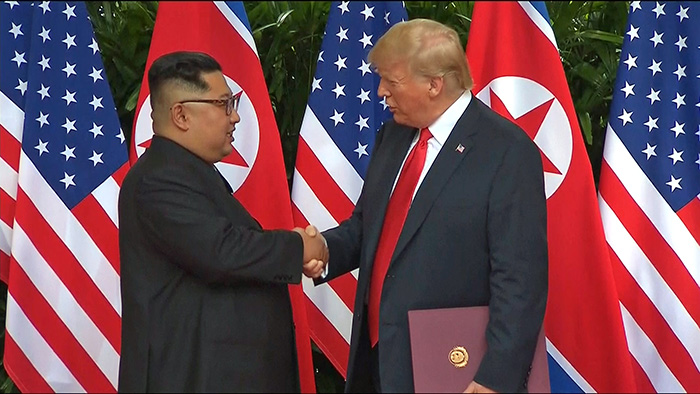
[315,251]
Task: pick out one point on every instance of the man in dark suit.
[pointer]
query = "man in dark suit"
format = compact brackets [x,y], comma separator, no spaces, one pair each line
[205,304]
[452,214]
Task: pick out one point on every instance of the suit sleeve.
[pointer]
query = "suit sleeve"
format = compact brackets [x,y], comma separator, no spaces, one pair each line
[517,238]
[344,245]
[184,223]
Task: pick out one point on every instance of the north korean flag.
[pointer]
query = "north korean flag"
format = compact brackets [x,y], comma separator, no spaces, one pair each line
[517,71]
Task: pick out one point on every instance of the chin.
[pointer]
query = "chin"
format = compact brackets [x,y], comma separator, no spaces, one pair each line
[398,118]
[401,121]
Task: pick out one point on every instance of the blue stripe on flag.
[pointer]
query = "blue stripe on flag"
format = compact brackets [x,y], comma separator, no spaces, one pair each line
[541,8]
[238,9]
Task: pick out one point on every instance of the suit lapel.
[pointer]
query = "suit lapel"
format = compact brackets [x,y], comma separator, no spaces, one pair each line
[455,149]
[224,182]
[224,193]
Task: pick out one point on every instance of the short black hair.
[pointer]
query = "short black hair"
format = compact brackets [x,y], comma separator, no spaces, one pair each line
[183,68]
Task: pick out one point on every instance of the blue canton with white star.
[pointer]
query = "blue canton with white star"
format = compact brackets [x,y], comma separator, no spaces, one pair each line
[656,101]
[344,90]
[51,68]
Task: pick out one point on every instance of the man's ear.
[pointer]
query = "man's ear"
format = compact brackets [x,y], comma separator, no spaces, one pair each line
[180,116]
[437,84]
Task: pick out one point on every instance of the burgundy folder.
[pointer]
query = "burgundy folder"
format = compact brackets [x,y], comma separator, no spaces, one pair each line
[438,337]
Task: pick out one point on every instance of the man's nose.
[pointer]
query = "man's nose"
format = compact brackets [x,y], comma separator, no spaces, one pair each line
[382,91]
[234,117]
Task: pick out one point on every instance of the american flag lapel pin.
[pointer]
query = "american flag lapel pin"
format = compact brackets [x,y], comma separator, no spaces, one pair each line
[460,148]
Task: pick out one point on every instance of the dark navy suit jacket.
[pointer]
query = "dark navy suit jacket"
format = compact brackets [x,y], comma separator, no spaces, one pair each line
[475,235]
[205,303]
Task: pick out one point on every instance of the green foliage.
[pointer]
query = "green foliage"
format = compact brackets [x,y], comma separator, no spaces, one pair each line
[590,35]
[288,36]
[456,14]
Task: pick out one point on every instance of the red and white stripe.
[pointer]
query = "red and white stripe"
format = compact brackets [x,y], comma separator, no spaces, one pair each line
[655,254]
[326,189]
[64,305]
[11,120]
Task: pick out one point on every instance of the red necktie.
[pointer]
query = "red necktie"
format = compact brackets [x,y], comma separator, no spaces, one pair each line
[396,213]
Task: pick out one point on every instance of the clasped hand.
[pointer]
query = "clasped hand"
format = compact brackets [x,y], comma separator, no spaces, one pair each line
[315,251]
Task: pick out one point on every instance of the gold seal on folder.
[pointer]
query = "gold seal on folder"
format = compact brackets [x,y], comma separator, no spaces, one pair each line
[459,356]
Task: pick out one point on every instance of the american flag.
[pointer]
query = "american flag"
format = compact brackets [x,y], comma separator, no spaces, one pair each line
[336,139]
[649,192]
[63,158]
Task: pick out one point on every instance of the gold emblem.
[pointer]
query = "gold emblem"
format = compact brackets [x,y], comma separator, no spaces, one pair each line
[459,356]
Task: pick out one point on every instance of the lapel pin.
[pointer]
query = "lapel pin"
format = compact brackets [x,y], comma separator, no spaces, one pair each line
[460,148]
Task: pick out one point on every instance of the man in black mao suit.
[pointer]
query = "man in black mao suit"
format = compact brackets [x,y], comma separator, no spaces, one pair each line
[205,304]
[475,232]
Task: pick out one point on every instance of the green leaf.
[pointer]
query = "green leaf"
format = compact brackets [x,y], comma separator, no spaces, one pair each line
[133,99]
[586,128]
[602,36]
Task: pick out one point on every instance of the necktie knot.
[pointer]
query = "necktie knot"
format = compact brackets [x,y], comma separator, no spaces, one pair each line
[425,135]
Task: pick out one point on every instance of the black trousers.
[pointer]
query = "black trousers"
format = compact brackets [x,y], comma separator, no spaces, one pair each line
[374,366]
[366,369]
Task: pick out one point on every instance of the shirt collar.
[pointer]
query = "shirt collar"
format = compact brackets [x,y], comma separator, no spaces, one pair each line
[442,127]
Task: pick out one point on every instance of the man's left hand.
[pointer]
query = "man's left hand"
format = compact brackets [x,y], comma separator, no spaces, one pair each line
[475,387]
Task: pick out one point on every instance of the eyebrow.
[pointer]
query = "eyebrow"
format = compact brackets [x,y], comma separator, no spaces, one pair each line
[224,96]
